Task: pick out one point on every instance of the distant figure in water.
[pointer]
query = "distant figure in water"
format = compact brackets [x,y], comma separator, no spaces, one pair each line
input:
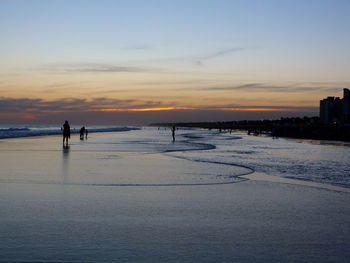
[86,133]
[173,132]
[82,132]
[66,132]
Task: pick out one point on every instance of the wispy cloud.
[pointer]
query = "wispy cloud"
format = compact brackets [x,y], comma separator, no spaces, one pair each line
[261,87]
[176,82]
[68,105]
[218,53]
[266,108]
[68,68]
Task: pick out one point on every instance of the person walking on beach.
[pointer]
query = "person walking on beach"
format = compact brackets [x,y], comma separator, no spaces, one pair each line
[66,132]
[86,133]
[82,132]
[173,132]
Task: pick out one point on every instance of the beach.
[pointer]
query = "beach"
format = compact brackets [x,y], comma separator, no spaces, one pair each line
[135,196]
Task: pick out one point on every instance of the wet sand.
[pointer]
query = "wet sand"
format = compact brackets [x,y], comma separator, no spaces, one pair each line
[123,201]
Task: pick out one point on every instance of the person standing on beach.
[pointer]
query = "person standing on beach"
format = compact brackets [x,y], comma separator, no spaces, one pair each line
[66,132]
[82,132]
[173,132]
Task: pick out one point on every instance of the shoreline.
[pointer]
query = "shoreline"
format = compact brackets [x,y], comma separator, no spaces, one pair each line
[258,176]
[250,174]
[298,128]
[303,140]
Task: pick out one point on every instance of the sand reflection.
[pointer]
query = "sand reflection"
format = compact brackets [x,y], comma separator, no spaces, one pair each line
[65,164]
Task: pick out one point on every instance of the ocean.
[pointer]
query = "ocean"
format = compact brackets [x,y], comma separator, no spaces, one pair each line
[134,195]
[18,131]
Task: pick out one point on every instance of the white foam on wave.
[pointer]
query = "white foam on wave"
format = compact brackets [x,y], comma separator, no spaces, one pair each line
[29,131]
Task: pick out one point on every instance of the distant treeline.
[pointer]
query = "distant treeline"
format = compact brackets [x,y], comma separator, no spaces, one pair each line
[302,128]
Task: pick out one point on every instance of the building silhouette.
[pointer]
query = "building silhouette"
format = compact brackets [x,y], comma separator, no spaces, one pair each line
[346,106]
[335,110]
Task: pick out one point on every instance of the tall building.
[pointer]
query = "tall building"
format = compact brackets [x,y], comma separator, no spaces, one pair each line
[335,110]
[329,110]
[346,106]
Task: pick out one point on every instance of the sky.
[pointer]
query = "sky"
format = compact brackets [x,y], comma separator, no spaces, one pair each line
[139,62]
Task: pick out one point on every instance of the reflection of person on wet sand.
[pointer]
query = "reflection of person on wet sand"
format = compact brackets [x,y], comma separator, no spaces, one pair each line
[66,132]
[173,132]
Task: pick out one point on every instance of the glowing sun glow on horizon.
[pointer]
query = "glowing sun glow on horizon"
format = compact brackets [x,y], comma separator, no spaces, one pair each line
[199,109]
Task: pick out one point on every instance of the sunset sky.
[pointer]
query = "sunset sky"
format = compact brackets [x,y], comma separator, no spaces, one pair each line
[137,62]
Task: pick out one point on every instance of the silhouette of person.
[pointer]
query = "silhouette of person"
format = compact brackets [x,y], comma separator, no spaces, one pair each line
[173,132]
[86,133]
[66,132]
[82,132]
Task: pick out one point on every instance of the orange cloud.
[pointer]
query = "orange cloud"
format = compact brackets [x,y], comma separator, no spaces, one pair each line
[189,108]
[8,116]
[147,109]
[259,109]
